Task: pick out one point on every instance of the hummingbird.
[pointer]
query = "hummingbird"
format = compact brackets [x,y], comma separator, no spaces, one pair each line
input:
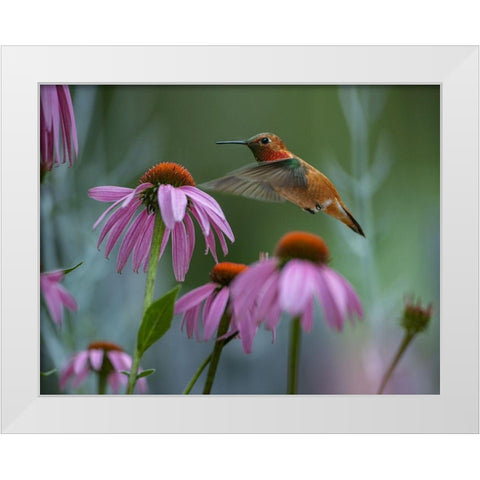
[280,175]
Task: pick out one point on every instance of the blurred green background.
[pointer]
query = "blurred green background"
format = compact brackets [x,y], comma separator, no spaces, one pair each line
[380,146]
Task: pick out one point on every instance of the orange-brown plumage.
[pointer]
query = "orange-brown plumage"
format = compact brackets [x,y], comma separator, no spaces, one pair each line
[280,175]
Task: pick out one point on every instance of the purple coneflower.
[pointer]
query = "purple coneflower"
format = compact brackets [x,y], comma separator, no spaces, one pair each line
[57,125]
[290,282]
[107,360]
[56,296]
[213,297]
[169,190]
[217,316]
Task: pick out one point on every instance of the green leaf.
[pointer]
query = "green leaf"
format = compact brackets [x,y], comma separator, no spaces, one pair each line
[47,374]
[68,270]
[156,321]
[145,373]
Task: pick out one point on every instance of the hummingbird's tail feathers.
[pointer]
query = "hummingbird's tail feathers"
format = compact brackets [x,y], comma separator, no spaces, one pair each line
[350,221]
[339,211]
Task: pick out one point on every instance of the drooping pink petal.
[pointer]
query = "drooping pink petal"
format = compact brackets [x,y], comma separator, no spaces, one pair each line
[53,303]
[173,203]
[180,251]
[202,198]
[306,320]
[191,319]
[221,223]
[267,296]
[67,298]
[221,239]
[80,378]
[120,226]
[142,386]
[109,193]
[354,305]
[68,106]
[116,217]
[333,298]
[247,329]
[211,247]
[245,285]
[120,360]
[134,194]
[114,380]
[132,237]
[80,361]
[194,297]
[166,236]
[65,375]
[297,285]
[201,218]
[215,312]
[65,109]
[96,358]
[190,236]
[273,316]
[142,247]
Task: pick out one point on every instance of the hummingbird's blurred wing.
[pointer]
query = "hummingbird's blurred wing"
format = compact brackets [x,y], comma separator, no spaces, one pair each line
[260,180]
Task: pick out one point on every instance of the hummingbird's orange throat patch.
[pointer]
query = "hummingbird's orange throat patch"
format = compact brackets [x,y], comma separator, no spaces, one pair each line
[304,246]
[223,273]
[168,173]
[105,346]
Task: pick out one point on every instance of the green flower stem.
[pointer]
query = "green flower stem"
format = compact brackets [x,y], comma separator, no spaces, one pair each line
[158,230]
[293,355]
[201,368]
[403,346]
[102,383]
[217,351]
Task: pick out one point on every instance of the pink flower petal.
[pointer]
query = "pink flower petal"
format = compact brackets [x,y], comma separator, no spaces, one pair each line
[245,286]
[115,381]
[109,193]
[297,285]
[191,319]
[131,239]
[142,247]
[190,236]
[194,297]
[202,198]
[120,225]
[332,297]
[201,218]
[142,386]
[268,296]
[80,378]
[80,362]
[210,241]
[119,360]
[180,250]
[306,320]
[67,298]
[96,358]
[215,312]
[65,375]
[173,203]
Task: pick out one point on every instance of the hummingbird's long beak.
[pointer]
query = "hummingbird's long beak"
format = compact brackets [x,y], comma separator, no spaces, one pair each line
[239,142]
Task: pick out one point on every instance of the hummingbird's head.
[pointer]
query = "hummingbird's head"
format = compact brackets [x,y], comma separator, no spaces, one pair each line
[264,146]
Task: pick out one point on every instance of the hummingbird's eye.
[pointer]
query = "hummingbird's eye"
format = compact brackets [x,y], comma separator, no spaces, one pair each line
[265,140]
